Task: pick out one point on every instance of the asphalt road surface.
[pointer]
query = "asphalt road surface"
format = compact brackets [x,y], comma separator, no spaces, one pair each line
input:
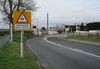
[59,53]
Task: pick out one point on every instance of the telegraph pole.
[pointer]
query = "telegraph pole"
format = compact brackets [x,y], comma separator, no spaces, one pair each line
[47,22]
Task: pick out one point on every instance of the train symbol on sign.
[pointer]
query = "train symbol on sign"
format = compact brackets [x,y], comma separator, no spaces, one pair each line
[22,19]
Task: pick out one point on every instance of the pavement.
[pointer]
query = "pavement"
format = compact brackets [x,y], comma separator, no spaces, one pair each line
[60,53]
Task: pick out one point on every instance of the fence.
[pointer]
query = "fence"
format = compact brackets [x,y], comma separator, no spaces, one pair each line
[4,40]
[84,33]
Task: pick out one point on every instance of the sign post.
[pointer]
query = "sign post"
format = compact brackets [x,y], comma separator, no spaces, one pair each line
[21,44]
[22,22]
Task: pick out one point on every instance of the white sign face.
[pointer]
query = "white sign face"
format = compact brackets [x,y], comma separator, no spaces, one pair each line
[22,19]
[22,26]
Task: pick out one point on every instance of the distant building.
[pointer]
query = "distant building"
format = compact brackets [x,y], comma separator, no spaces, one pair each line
[35,30]
[72,27]
[52,30]
[67,28]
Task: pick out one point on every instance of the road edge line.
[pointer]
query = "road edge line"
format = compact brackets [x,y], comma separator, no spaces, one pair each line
[76,50]
[34,55]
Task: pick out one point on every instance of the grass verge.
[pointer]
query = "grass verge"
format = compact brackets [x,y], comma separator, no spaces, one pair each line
[10,56]
[86,38]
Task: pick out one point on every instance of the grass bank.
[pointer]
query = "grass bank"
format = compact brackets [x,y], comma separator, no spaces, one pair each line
[86,38]
[10,55]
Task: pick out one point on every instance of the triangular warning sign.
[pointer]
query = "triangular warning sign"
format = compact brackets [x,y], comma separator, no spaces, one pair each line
[22,19]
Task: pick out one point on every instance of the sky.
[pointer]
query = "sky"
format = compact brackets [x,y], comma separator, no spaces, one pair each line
[2,24]
[66,12]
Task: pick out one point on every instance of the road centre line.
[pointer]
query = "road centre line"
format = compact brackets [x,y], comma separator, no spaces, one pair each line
[76,50]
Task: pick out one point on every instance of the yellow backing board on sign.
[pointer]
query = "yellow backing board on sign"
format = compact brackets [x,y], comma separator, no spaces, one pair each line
[22,21]
[16,16]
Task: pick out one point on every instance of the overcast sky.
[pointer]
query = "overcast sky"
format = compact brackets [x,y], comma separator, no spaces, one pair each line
[2,24]
[67,11]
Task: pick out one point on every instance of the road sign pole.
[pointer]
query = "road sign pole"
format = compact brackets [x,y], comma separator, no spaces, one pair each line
[21,45]
[11,33]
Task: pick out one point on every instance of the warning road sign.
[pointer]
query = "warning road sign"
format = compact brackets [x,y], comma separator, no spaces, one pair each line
[22,17]
[22,21]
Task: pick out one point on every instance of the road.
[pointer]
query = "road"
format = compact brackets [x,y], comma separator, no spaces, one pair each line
[59,53]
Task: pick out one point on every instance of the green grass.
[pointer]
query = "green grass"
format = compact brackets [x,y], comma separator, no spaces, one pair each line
[86,38]
[26,36]
[10,56]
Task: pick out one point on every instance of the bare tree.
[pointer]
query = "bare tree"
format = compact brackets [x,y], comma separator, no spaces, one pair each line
[9,6]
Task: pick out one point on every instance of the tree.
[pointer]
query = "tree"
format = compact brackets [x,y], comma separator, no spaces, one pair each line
[72,28]
[9,6]
[82,26]
[93,26]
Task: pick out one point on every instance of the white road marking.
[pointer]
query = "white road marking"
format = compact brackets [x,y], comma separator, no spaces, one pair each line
[34,53]
[76,50]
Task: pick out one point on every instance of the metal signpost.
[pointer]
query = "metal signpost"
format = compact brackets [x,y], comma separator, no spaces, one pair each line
[22,22]
[21,44]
